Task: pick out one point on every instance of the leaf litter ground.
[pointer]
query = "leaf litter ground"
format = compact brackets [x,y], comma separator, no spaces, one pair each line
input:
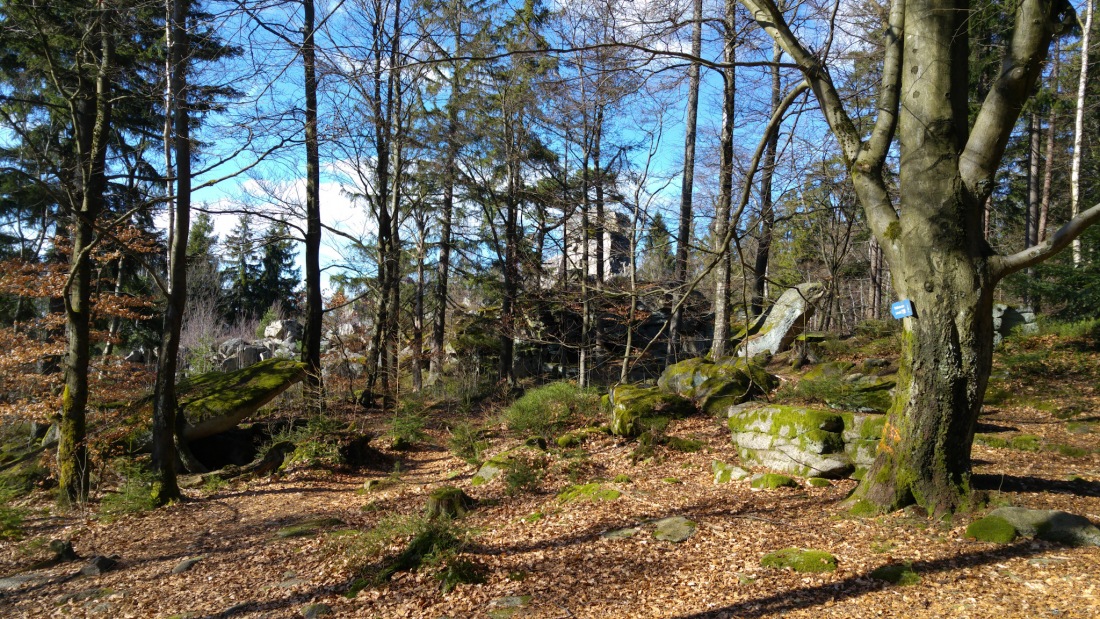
[557,553]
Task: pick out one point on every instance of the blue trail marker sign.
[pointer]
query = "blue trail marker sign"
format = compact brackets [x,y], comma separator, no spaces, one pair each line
[901,309]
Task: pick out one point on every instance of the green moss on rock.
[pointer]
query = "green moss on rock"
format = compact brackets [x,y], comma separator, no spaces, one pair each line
[771,481]
[819,482]
[215,394]
[725,473]
[588,492]
[800,560]
[716,386]
[634,409]
[863,509]
[992,529]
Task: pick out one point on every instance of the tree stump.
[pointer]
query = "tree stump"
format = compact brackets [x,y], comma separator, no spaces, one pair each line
[450,502]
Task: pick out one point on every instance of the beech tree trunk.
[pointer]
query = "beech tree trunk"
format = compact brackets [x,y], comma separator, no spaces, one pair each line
[725,188]
[1079,127]
[767,208]
[933,239]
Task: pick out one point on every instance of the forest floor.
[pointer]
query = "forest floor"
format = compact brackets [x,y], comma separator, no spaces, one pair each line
[541,556]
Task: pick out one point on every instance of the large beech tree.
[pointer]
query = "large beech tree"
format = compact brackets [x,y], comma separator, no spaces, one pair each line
[932,236]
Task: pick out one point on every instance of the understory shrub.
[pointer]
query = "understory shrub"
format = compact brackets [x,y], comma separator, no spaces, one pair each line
[134,494]
[467,442]
[432,542]
[547,409]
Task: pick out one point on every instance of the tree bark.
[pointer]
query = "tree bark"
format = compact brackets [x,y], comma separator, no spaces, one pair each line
[165,404]
[683,234]
[725,187]
[933,238]
[311,341]
[90,108]
[767,208]
[1079,129]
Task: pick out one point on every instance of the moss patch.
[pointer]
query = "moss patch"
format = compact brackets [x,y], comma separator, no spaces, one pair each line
[635,409]
[771,481]
[215,394]
[588,492]
[800,560]
[863,509]
[819,482]
[897,574]
[992,529]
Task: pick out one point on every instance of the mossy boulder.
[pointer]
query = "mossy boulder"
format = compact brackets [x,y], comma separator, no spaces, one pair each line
[901,574]
[785,321]
[492,468]
[864,393]
[991,529]
[828,370]
[800,560]
[840,388]
[634,408]
[674,529]
[804,441]
[1050,525]
[715,386]
[217,401]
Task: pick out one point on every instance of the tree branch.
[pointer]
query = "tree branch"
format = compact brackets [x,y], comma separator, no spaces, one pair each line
[768,16]
[1004,266]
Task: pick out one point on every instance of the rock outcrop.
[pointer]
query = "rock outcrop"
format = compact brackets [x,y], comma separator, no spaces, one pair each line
[805,441]
[634,408]
[714,387]
[785,322]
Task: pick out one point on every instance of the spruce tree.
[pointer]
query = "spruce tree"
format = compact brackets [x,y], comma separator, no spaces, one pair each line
[278,278]
[241,275]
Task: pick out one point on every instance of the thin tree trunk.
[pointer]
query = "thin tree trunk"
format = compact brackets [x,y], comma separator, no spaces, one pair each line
[398,144]
[1048,163]
[767,208]
[418,304]
[725,189]
[116,322]
[311,343]
[683,235]
[584,357]
[511,271]
[443,267]
[876,279]
[1031,216]
[165,405]
[602,251]
[91,113]
[1079,130]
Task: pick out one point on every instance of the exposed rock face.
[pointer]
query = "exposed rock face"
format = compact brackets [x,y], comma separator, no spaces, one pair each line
[716,386]
[1007,319]
[286,330]
[806,442]
[786,320]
